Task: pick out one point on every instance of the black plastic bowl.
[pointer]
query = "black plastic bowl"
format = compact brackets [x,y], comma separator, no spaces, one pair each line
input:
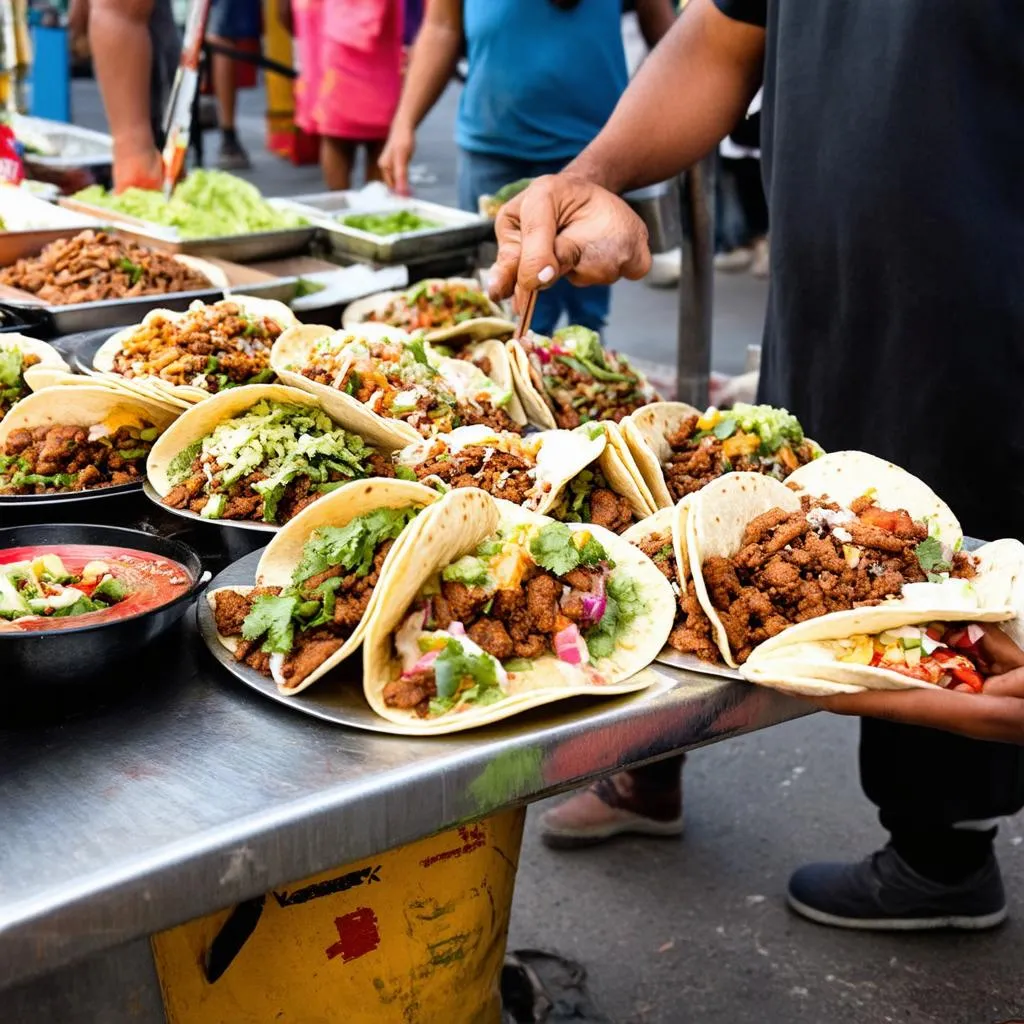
[76,655]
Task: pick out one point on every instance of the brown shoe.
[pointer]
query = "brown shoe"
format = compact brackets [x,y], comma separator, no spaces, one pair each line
[606,809]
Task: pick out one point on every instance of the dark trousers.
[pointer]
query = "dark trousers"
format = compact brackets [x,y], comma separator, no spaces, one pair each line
[924,782]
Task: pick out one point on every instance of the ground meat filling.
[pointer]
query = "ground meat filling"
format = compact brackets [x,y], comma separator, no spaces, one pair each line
[310,647]
[518,623]
[432,307]
[502,474]
[576,397]
[211,347]
[692,632]
[792,566]
[610,510]
[48,460]
[245,503]
[695,462]
[94,266]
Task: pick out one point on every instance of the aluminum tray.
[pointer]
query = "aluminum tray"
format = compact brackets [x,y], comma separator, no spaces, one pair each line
[260,245]
[338,698]
[460,230]
[76,147]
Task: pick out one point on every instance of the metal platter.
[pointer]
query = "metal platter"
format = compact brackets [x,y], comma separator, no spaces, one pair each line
[338,697]
[458,230]
[691,663]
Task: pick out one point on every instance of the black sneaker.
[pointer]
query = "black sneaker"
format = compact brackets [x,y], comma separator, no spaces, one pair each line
[884,893]
[233,156]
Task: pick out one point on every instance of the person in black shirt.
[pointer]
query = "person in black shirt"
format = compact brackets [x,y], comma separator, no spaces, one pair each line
[893,162]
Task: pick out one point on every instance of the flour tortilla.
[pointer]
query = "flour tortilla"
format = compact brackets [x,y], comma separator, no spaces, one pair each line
[497,325]
[665,520]
[501,372]
[529,387]
[291,352]
[201,419]
[561,454]
[618,461]
[799,660]
[455,526]
[338,508]
[645,432]
[722,510]
[83,406]
[103,361]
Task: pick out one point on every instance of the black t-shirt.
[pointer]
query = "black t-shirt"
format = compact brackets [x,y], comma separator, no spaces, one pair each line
[893,148]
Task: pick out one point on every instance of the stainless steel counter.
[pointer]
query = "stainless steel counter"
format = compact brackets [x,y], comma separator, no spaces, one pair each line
[192,793]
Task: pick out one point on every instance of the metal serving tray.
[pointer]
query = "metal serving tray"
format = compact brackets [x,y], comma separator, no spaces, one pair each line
[338,697]
[460,230]
[260,245]
[76,147]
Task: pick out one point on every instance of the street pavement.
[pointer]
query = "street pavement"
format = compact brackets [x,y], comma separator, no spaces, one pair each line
[696,930]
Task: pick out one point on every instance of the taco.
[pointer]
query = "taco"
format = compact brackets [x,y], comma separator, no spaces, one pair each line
[571,379]
[448,310]
[17,354]
[393,384]
[679,449]
[765,558]
[605,492]
[893,655]
[259,454]
[79,439]
[498,610]
[529,471]
[201,352]
[662,538]
[318,582]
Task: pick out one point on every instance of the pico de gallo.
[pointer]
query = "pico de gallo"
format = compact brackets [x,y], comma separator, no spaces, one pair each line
[940,653]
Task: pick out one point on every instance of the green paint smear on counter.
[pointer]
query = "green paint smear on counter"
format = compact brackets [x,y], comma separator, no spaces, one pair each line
[506,778]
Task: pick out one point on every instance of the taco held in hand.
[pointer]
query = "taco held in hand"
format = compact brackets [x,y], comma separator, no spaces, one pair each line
[679,449]
[500,609]
[318,581]
[392,384]
[865,540]
[260,453]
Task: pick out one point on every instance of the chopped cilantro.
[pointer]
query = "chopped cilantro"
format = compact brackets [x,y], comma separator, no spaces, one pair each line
[352,546]
[454,666]
[554,549]
[725,428]
[212,363]
[419,352]
[931,557]
[624,604]
[405,473]
[272,616]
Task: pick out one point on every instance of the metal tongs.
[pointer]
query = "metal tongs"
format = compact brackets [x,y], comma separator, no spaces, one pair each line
[525,317]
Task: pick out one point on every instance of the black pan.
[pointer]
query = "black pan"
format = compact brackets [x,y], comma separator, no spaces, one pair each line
[34,664]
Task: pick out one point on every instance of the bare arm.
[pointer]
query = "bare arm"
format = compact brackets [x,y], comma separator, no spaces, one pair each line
[122,57]
[656,17]
[434,56]
[689,94]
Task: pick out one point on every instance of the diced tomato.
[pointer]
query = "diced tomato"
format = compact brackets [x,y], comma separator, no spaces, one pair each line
[954,637]
[935,633]
[968,676]
[875,516]
[876,659]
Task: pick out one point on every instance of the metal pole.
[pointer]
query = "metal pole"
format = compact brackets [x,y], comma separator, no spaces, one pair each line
[696,282]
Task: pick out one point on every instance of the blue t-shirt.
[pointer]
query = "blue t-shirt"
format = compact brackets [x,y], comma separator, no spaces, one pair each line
[542,81]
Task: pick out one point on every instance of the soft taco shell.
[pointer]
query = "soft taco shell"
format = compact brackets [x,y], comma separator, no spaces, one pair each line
[103,361]
[457,524]
[336,509]
[561,455]
[290,352]
[645,432]
[83,406]
[846,476]
[201,419]
[497,325]
[531,391]
[501,373]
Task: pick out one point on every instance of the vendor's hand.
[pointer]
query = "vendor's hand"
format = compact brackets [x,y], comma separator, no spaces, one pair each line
[997,713]
[395,158]
[138,167]
[563,226]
